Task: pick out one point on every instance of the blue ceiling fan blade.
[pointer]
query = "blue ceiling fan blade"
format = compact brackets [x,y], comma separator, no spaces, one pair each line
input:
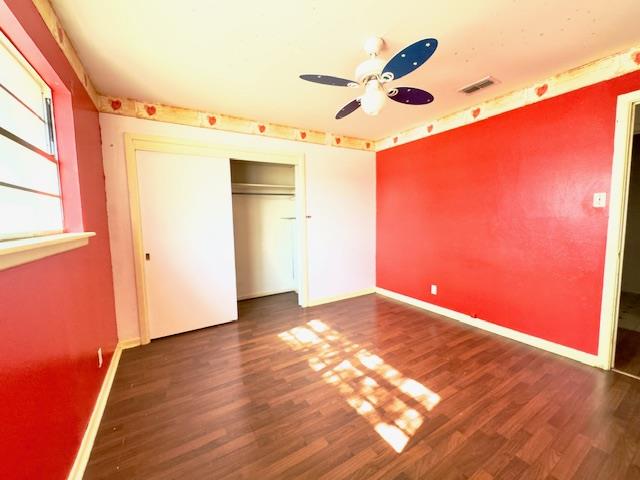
[410,96]
[350,107]
[408,59]
[329,80]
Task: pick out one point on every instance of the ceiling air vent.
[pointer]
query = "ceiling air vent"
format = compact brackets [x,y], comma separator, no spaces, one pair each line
[479,85]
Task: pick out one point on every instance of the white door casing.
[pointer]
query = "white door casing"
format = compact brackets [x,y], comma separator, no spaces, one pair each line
[618,199]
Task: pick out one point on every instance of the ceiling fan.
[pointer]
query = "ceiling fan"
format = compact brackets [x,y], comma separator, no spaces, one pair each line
[374,74]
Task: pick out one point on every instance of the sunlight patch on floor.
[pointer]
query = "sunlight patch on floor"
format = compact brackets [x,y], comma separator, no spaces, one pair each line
[393,404]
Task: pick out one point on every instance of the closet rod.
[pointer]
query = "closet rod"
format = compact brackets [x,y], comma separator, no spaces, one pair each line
[248,193]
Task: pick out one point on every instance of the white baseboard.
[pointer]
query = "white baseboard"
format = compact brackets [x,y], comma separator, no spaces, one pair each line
[263,294]
[129,343]
[335,298]
[82,457]
[552,347]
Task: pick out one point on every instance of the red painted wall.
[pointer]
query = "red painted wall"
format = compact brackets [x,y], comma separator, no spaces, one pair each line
[56,312]
[498,214]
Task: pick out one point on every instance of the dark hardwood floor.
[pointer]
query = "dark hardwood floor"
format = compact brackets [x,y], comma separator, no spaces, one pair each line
[627,357]
[366,388]
[628,351]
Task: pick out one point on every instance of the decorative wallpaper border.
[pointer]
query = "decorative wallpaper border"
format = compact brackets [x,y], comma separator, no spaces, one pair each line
[588,74]
[219,121]
[585,75]
[55,27]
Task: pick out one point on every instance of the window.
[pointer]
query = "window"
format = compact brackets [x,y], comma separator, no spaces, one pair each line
[30,199]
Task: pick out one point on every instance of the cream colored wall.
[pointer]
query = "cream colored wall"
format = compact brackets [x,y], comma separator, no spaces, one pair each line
[341,201]
[264,244]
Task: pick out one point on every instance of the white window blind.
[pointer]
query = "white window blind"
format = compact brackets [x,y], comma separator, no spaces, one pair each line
[30,202]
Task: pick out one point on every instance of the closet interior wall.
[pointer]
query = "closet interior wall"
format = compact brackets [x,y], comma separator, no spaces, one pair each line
[264,220]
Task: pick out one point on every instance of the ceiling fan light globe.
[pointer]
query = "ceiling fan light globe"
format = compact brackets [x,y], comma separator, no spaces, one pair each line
[374,98]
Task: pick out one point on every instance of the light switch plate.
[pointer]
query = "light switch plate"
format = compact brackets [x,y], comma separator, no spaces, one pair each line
[600,200]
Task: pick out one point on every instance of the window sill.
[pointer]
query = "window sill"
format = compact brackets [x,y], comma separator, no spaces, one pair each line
[24,250]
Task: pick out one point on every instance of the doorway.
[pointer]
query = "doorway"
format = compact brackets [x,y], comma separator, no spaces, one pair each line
[265,228]
[194,243]
[627,345]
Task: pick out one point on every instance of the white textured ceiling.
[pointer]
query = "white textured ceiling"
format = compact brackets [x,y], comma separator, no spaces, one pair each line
[243,57]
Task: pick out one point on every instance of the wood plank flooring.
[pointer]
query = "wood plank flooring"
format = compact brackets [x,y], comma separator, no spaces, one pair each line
[366,388]
[629,315]
[628,351]
[627,357]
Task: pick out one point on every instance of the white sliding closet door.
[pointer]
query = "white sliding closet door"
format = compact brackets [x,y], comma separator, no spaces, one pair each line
[187,231]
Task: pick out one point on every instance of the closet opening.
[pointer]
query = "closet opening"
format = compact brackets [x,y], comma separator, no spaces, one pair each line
[627,346]
[266,229]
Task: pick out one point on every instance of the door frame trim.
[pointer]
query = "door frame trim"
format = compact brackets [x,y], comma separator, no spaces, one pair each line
[616,228]
[134,142]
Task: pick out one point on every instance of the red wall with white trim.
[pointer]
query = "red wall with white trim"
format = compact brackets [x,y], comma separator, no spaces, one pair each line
[499,215]
[56,312]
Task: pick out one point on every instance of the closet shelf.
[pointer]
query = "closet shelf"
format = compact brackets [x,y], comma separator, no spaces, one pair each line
[262,185]
[262,188]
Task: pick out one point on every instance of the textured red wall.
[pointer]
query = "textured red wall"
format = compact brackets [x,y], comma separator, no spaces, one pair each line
[499,215]
[56,312]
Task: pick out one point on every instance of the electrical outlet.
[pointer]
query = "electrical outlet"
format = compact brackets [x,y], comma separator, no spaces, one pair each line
[600,200]
[100,357]
[434,289]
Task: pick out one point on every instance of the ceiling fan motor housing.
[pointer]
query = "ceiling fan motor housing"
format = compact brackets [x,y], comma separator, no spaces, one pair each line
[373,45]
[371,68]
